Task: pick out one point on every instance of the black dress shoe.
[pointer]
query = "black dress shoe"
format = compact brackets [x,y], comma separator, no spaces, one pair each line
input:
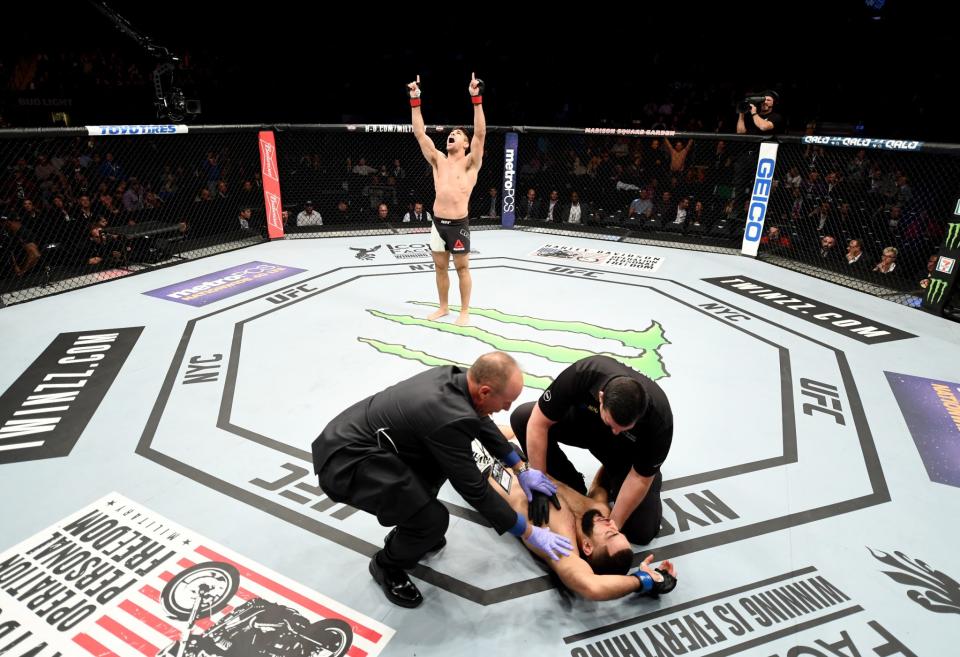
[439,546]
[396,585]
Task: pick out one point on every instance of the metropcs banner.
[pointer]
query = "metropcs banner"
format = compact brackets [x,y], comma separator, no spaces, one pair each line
[510,149]
[224,283]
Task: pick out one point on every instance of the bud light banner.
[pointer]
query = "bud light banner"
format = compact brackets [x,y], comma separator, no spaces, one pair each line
[759,198]
[510,155]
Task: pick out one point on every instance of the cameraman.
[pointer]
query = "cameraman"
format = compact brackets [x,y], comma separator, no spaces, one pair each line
[762,120]
[756,117]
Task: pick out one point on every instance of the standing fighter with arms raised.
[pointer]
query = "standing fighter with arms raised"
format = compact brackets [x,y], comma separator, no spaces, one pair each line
[454,177]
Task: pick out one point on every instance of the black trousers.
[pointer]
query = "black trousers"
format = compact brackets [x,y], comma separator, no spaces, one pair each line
[379,483]
[644,523]
[744,174]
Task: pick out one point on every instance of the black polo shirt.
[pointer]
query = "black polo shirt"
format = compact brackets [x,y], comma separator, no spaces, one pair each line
[573,398]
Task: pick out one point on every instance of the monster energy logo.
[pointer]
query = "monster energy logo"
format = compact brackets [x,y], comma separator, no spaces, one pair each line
[644,345]
[935,289]
[953,235]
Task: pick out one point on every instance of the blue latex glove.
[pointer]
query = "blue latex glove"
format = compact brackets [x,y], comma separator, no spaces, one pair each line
[553,545]
[532,479]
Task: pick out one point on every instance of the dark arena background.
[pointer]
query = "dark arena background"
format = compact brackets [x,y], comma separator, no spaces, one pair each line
[216,236]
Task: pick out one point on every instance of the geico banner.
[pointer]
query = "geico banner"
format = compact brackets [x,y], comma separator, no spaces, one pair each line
[759,198]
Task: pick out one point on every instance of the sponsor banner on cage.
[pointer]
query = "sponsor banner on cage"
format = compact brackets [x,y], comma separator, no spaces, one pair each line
[136,130]
[943,279]
[270,175]
[864,142]
[224,283]
[116,578]
[387,127]
[759,198]
[510,168]
[836,319]
[931,408]
[621,259]
[633,132]
[44,411]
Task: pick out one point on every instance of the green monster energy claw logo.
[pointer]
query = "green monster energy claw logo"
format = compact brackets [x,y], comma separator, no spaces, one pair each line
[936,288]
[644,345]
[953,236]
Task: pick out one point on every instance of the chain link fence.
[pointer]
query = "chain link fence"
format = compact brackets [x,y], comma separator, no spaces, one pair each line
[655,189]
[335,180]
[669,189]
[77,209]
[80,209]
[871,220]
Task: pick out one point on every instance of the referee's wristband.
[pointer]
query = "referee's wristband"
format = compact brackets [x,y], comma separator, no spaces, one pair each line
[414,102]
[476,100]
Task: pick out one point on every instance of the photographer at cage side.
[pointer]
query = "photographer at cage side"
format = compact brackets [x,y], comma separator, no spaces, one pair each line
[756,115]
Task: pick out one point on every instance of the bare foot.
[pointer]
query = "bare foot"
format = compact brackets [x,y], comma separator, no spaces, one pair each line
[463,319]
[437,314]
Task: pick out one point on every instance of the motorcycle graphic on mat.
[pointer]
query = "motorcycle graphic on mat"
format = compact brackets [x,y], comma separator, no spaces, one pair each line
[257,628]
